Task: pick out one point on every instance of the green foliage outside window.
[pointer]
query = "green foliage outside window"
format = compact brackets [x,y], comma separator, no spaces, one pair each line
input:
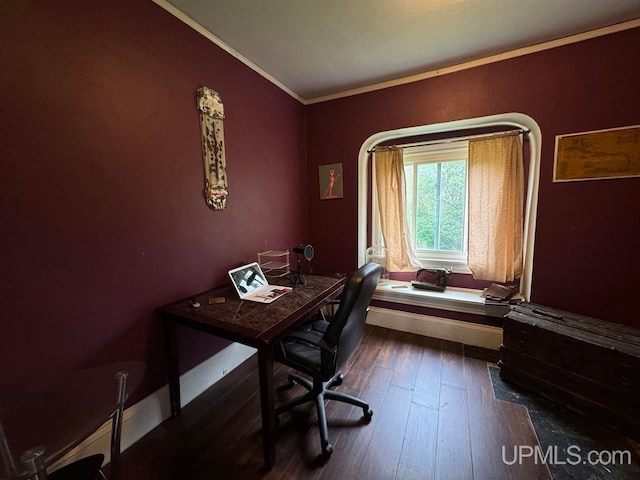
[439,204]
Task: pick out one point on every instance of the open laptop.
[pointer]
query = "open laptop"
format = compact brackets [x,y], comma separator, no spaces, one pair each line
[251,284]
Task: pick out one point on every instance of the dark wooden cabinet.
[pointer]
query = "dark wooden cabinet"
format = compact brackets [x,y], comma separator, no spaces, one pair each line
[588,365]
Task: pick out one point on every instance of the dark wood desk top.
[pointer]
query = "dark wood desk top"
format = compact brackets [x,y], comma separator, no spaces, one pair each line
[254,323]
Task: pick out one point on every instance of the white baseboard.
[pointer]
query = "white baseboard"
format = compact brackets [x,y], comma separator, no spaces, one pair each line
[148,413]
[455,330]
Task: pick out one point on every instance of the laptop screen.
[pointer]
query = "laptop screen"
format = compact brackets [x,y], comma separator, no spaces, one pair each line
[248,278]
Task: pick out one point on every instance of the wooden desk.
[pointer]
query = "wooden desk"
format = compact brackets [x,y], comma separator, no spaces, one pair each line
[254,324]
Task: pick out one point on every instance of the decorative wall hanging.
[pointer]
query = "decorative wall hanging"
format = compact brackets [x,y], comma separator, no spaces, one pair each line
[330,181]
[215,164]
[612,153]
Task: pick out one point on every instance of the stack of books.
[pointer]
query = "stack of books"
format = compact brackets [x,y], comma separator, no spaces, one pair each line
[501,295]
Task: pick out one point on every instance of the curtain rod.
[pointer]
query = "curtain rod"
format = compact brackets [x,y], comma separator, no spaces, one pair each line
[454,139]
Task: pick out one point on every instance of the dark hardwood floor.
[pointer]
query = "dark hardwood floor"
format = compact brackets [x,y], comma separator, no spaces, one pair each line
[435,417]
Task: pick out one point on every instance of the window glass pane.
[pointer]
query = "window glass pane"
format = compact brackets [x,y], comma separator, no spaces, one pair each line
[426,195]
[452,193]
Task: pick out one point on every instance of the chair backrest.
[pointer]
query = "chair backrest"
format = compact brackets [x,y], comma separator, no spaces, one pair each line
[347,326]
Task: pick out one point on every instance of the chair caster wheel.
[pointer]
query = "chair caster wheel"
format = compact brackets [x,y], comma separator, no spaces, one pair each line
[338,380]
[292,381]
[368,413]
[327,450]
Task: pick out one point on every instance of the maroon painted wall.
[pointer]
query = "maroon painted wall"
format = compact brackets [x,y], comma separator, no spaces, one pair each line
[102,212]
[586,251]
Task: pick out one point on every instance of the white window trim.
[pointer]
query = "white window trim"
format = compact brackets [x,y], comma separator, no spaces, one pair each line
[518,120]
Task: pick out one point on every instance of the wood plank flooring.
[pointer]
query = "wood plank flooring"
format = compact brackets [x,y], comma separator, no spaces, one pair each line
[435,417]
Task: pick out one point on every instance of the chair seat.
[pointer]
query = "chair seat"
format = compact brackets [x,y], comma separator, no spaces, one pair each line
[86,468]
[319,326]
[304,356]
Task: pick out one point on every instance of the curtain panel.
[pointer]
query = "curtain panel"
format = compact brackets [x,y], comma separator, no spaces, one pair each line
[392,207]
[496,198]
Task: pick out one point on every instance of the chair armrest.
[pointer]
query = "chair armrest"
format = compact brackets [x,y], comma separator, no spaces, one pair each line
[310,339]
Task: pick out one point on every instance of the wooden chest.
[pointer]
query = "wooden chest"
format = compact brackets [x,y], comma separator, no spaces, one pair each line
[588,365]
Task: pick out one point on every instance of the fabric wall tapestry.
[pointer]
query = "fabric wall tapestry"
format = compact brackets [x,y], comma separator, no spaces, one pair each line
[212,133]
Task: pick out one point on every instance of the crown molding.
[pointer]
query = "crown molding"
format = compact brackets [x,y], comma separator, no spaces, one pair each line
[619,27]
[403,80]
[184,18]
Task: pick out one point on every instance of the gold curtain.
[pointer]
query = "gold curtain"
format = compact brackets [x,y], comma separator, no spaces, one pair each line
[496,192]
[392,206]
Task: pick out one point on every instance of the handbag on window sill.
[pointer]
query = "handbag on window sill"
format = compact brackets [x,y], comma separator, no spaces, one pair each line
[432,279]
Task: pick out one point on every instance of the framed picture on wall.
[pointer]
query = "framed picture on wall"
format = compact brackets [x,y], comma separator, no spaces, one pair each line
[611,153]
[330,177]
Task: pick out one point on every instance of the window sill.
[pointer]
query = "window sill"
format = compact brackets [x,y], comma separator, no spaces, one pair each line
[455,299]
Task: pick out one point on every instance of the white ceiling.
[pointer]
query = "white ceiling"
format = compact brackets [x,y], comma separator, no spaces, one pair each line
[315,48]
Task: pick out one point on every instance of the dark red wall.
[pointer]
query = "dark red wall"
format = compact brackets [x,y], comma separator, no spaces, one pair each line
[586,251]
[102,212]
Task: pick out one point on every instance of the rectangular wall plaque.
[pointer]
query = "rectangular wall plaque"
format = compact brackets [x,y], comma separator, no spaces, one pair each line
[612,153]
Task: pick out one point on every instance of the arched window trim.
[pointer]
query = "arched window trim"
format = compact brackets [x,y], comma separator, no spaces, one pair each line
[518,120]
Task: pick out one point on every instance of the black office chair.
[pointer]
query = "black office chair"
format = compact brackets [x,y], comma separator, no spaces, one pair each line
[321,347]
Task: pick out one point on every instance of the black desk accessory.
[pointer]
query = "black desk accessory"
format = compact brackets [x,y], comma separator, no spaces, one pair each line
[300,250]
[427,286]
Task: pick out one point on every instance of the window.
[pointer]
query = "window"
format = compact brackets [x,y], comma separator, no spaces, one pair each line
[436,182]
[436,189]
[367,214]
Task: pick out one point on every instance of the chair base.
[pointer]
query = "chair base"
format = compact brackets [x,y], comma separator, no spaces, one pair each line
[317,392]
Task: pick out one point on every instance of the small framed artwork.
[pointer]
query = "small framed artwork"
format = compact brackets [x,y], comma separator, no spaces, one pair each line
[611,153]
[330,177]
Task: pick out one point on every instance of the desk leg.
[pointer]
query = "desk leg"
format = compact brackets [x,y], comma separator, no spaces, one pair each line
[265,368]
[173,365]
